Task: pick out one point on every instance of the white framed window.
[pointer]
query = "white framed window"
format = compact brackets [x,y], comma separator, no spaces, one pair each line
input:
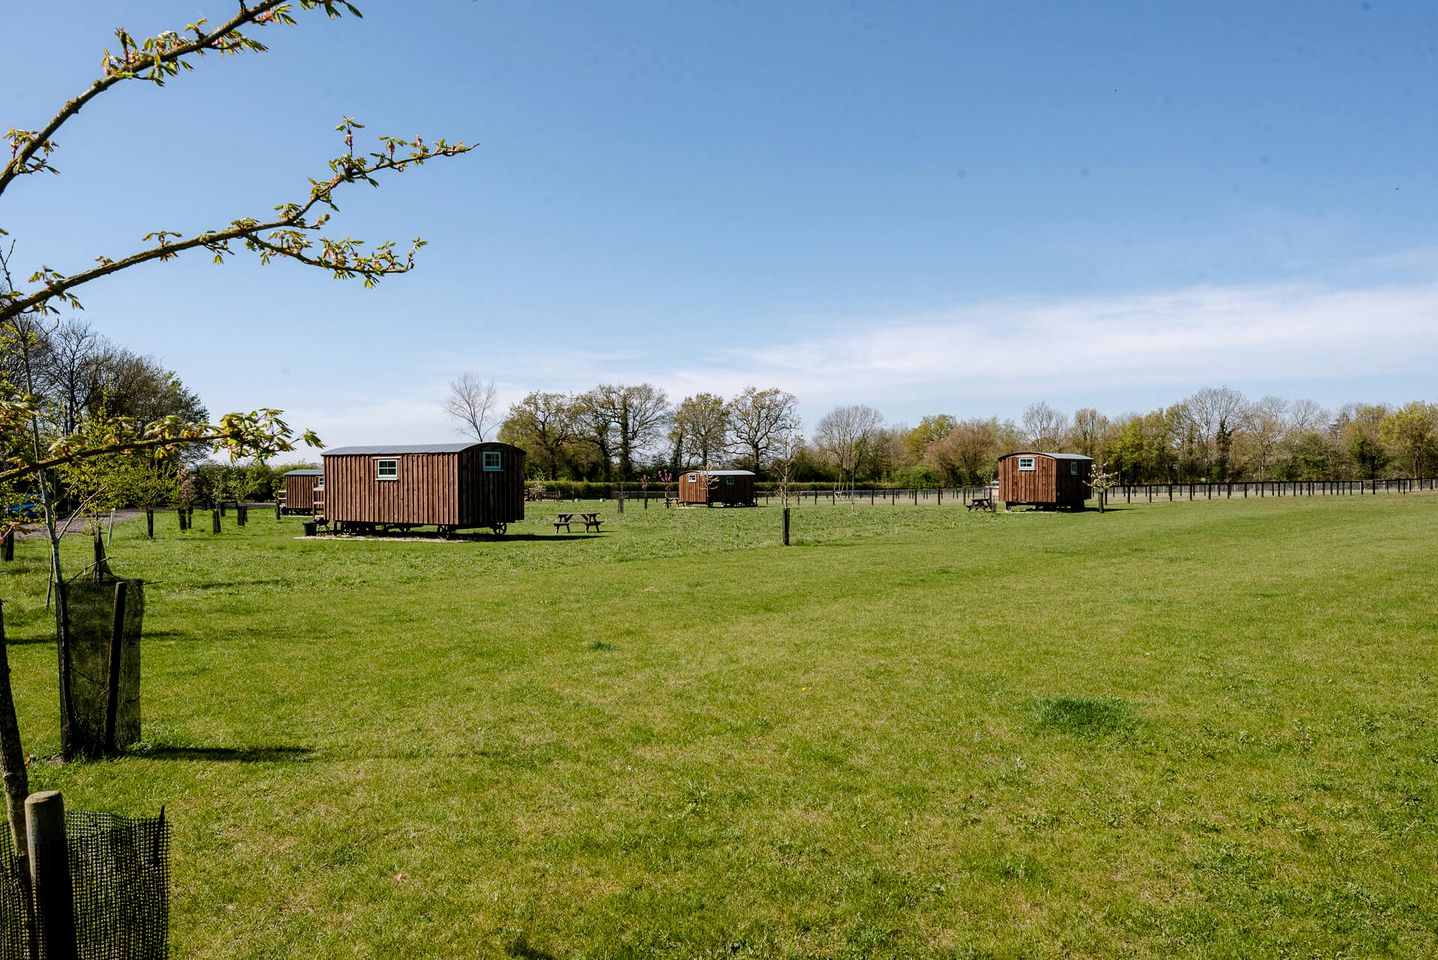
[319,483]
[693,478]
[728,481]
[386,469]
[1026,463]
[491,461]
[1073,468]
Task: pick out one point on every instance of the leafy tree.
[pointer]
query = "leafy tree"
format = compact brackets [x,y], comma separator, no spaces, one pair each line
[701,424]
[931,428]
[1411,432]
[1360,426]
[757,418]
[969,453]
[544,425]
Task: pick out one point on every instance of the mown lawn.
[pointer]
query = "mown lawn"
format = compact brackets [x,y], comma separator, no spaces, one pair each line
[1201,730]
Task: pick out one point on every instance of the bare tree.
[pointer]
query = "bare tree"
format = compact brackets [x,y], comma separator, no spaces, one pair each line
[1089,432]
[846,435]
[471,403]
[1044,427]
[1306,415]
[627,420]
[756,418]
[1215,415]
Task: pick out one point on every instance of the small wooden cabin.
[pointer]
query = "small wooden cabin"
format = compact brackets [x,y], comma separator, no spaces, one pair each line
[452,486]
[732,488]
[1050,480]
[300,488]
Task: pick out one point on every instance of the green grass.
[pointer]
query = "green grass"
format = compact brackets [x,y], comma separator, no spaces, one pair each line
[1200,730]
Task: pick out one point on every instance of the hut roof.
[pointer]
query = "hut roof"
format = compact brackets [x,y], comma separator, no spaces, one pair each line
[305,473]
[725,473]
[398,448]
[1042,453]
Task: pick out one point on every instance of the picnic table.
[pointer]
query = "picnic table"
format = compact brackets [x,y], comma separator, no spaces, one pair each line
[591,521]
[981,503]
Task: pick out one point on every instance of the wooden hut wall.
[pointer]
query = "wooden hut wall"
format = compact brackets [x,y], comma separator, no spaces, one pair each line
[425,490]
[1072,489]
[487,497]
[1027,486]
[695,492]
[740,491]
[300,492]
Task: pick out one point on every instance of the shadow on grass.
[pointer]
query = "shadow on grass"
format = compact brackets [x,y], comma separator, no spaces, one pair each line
[271,754]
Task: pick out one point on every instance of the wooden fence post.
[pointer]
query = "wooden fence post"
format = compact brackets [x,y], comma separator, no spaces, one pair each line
[7,546]
[215,520]
[786,526]
[150,522]
[50,873]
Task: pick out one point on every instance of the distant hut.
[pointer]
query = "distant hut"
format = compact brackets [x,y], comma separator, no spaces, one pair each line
[1050,480]
[300,486]
[452,486]
[732,488]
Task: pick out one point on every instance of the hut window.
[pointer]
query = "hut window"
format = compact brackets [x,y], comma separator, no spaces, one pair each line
[319,483]
[386,469]
[693,478]
[492,461]
[1073,468]
[728,481]
[1026,463]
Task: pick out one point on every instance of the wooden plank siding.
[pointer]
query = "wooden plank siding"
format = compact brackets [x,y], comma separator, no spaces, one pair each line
[443,489]
[741,491]
[488,497]
[425,491]
[300,493]
[1052,482]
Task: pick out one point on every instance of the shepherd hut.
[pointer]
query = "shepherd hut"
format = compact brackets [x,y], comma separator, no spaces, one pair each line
[452,486]
[732,488]
[300,486]
[1049,480]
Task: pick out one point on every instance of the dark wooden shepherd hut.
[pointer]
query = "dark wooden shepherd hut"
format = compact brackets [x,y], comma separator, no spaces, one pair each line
[1049,480]
[300,490]
[732,488]
[452,486]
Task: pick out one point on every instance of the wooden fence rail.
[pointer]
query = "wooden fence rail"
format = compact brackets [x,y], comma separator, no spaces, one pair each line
[1126,493]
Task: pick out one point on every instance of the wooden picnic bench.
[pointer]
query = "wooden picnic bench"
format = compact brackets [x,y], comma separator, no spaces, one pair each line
[591,521]
[981,503]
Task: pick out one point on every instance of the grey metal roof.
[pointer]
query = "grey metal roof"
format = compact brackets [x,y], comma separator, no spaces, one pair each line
[398,448]
[305,473]
[724,473]
[1041,453]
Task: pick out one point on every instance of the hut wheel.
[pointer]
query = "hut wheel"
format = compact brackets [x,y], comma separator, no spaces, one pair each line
[500,529]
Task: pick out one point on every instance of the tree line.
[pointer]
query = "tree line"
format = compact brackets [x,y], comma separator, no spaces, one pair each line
[617,432]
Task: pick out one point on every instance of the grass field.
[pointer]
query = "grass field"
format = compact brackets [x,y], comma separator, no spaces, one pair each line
[1200,730]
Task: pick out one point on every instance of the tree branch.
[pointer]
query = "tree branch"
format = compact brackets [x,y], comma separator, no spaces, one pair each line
[341,256]
[25,144]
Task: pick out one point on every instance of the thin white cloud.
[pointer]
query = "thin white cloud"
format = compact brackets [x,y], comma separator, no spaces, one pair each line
[988,355]
[1200,334]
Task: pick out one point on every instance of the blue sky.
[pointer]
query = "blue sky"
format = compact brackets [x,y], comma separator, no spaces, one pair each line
[928,207]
